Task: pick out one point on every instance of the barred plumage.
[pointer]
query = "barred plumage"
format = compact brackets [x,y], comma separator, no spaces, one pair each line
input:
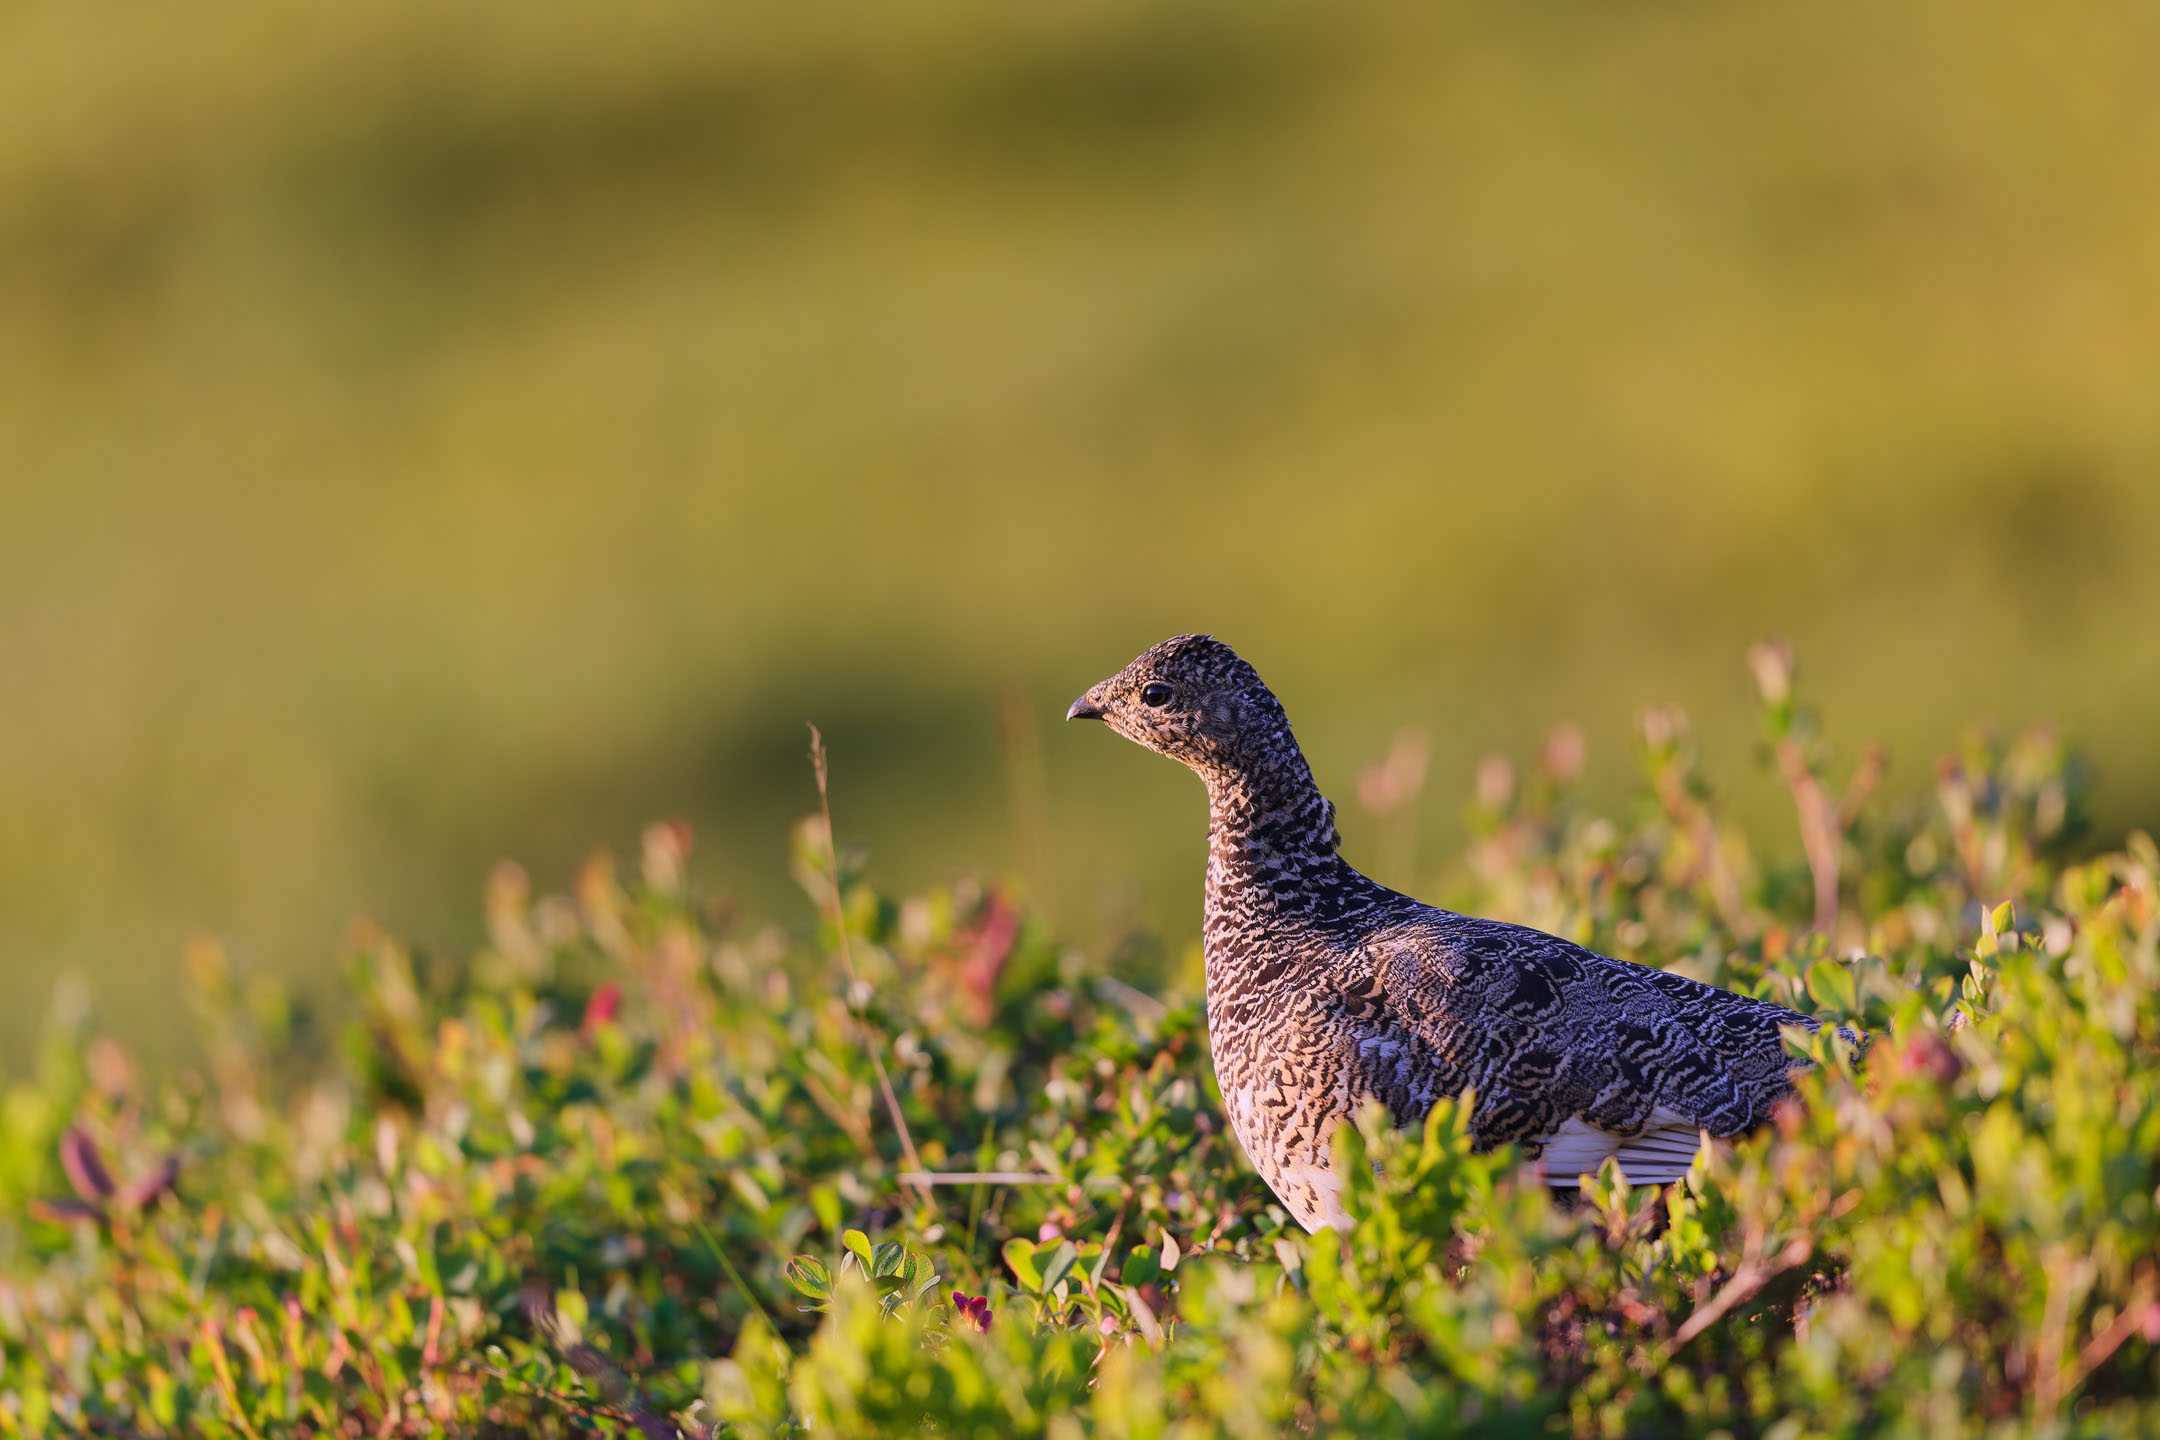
[1326,990]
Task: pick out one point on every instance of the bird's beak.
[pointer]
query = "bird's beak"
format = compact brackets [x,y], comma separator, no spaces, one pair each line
[1085,708]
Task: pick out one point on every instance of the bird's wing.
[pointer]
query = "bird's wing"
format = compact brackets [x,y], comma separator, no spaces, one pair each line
[1569,1048]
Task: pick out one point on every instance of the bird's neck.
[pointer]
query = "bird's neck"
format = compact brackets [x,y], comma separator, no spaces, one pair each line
[1267,819]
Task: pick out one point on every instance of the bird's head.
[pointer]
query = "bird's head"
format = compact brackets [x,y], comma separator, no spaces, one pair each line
[1193,699]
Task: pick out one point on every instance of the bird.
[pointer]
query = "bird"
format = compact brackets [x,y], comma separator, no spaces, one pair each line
[1327,991]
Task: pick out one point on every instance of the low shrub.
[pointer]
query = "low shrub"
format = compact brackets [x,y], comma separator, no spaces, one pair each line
[632,1169]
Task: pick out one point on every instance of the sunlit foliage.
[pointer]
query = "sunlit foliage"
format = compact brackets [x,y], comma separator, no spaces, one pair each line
[629,1170]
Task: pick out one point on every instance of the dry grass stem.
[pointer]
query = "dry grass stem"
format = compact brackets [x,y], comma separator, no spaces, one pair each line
[1820,833]
[847,966]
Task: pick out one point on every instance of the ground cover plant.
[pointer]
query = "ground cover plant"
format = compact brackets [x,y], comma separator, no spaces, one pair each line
[635,1168]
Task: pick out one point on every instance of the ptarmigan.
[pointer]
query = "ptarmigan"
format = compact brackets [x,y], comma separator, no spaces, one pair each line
[1326,990]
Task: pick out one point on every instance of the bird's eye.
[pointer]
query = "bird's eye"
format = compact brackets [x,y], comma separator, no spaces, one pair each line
[1155,694]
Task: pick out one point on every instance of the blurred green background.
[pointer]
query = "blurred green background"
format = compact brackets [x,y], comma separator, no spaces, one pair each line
[431,432]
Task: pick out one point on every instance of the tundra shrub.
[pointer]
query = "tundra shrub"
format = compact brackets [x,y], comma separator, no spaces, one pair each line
[631,1169]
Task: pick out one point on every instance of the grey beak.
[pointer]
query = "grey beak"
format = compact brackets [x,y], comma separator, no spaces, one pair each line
[1085,708]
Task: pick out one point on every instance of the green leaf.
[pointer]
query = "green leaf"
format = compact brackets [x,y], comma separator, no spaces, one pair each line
[1141,1267]
[888,1258]
[825,1200]
[1059,1265]
[1832,986]
[745,1185]
[809,1276]
[571,1312]
[1994,925]
[1020,1259]
[859,1245]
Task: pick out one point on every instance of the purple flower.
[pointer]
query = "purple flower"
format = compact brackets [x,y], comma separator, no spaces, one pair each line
[973,1307]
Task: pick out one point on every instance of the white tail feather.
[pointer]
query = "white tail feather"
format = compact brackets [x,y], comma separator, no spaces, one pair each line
[1661,1153]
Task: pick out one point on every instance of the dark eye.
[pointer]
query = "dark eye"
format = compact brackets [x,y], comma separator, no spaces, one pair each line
[1154,694]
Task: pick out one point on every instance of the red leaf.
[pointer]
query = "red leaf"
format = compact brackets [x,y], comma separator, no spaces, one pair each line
[66,1212]
[601,1008]
[85,1167]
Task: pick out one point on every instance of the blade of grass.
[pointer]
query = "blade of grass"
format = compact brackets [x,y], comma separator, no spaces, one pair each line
[847,966]
[983,1155]
[713,1244]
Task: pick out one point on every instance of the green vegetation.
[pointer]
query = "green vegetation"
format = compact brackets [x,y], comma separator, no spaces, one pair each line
[632,1169]
[432,430]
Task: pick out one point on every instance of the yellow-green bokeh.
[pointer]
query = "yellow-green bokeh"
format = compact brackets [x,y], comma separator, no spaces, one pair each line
[437,431]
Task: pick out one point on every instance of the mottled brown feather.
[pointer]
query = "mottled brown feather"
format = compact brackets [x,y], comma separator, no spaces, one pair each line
[1326,990]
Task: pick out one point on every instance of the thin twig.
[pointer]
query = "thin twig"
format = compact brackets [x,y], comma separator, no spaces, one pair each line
[847,964]
[1748,1279]
[637,1416]
[1143,1006]
[1109,1244]
[594,1365]
[2141,1313]
[1874,761]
